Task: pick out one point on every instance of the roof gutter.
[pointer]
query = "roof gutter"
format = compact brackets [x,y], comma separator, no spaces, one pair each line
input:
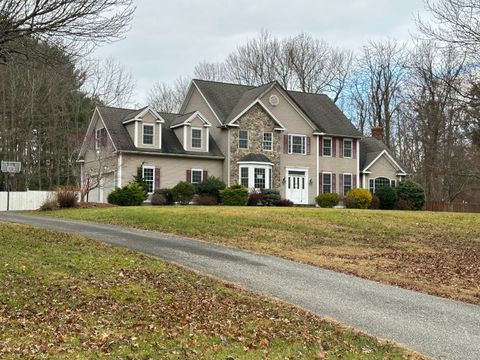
[213,157]
[337,135]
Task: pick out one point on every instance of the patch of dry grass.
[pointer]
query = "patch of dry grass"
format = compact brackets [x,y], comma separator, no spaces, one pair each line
[67,297]
[437,253]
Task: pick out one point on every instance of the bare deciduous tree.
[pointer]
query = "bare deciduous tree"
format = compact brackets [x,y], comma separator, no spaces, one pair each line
[210,71]
[434,116]
[108,82]
[255,62]
[379,77]
[167,98]
[65,23]
[455,22]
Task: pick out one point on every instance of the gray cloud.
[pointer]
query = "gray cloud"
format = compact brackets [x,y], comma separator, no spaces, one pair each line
[168,38]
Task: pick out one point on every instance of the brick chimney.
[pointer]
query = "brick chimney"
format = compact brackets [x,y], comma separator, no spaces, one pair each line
[377,133]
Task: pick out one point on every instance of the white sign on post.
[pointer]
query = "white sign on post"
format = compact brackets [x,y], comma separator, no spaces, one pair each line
[11,167]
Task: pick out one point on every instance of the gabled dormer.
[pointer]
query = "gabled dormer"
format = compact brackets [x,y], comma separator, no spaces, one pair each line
[145,128]
[193,131]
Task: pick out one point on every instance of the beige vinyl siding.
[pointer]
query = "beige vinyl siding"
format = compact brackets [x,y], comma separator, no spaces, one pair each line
[197,103]
[172,168]
[91,163]
[148,119]
[178,131]
[295,124]
[196,123]
[381,168]
[338,165]
[131,130]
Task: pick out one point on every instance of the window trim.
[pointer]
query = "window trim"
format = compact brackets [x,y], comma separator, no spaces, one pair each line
[323,181]
[143,134]
[343,182]
[290,144]
[351,148]
[153,180]
[251,174]
[375,185]
[191,138]
[98,139]
[240,139]
[191,176]
[323,146]
[265,142]
[240,177]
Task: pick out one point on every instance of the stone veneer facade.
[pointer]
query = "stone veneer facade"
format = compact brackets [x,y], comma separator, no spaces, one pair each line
[256,121]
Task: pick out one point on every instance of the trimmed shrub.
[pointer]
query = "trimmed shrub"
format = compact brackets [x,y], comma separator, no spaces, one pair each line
[413,192]
[167,193]
[387,196]
[205,199]
[183,192]
[138,179]
[358,199]
[158,199]
[271,197]
[211,186]
[327,200]
[285,202]
[255,199]
[235,195]
[66,196]
[375,204]
[130,195]
[49,204]
[402,204]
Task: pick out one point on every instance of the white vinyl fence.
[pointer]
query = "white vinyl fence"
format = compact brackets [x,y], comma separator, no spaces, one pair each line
[24,200]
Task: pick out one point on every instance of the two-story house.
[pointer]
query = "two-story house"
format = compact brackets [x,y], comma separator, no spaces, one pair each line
[260,137]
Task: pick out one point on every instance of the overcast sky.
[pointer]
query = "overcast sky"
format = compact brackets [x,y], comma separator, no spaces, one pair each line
[168,38]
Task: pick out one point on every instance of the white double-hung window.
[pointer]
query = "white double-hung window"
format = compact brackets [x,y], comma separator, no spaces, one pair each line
[147,134]
[347,148]
[243,139]
[267,143]
[347,183]
[149,177]
[327,182]
[255,176]
[297,144]
[196,138]
[197,176]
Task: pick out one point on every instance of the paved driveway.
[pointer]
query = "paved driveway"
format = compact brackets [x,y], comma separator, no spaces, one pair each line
[434,326]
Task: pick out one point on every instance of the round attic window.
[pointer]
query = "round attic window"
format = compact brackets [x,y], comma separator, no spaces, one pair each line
[274,100]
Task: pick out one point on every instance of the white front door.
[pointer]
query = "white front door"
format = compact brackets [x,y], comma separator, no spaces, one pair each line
[297,187]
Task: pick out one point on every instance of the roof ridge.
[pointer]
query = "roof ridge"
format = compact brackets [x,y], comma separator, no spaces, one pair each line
[119,108]
[307,93]
[226,83]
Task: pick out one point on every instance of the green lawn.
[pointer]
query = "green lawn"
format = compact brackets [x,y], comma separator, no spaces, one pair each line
[67,297]
[437,253]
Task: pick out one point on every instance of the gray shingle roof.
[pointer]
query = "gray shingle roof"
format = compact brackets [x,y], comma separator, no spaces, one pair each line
[113,118]
[324,114]
[222,97]
[370,148]
[256,157]
[245,100]
[180,118]
[228,100]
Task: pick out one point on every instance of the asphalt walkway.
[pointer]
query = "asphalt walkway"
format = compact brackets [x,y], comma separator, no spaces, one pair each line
[438,327]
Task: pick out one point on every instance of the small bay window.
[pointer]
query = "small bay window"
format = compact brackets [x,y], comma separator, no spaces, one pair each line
[255,176]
